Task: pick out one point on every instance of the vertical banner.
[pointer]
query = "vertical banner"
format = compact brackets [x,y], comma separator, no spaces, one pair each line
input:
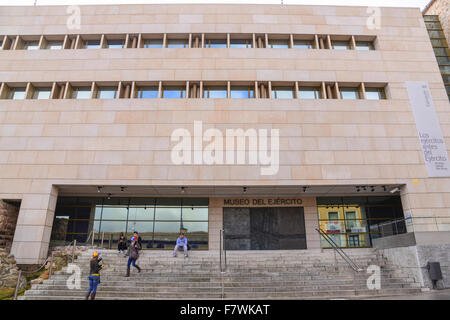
[430,134]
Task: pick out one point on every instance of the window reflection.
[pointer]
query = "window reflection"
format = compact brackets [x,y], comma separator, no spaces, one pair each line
[158,221]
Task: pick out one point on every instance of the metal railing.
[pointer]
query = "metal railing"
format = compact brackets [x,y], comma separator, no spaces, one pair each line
[411,224]
[223,265]
[339,250]
[222,252]
[27,272]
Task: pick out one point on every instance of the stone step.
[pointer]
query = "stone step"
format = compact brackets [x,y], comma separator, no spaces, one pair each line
[130,283]
[266,287]
[218,294]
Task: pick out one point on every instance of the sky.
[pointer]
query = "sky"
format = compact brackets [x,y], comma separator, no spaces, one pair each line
[372,3]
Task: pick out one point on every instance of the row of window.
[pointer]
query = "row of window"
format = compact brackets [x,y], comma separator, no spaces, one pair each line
[188,41]
[440,47]
[194,89]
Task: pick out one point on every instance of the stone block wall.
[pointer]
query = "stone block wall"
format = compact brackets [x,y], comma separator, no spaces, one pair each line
[8,219]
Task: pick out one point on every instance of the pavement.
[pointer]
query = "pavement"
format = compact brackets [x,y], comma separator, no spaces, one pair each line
[443,294]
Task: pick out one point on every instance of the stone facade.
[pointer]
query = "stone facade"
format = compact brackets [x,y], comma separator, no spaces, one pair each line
[46,145]
[441,8]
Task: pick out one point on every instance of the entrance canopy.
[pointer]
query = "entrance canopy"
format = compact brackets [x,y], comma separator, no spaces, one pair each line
[227,191]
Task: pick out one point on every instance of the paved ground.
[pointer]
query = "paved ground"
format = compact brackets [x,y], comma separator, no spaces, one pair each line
[432,295]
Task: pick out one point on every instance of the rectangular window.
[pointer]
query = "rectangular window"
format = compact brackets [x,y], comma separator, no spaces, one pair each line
[91,44]
[435,34]
[147,93]
[215,43]
[31,45]
[215,93]
[364,45]
[42,93]
[242,92]
[1,44]
[54,45]
[309,92]
[107,93]
[349,93]
[240,43]
[282,93]
[81,92]
[437,42]
[16,93]
[375,94]
[115,44]
[173,92]
[177,43]
[303,44]
[278,43]
[153,43]
[446,78]
[340,45]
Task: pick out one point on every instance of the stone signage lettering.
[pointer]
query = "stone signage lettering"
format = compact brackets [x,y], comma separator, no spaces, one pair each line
[430,134]
[262,202]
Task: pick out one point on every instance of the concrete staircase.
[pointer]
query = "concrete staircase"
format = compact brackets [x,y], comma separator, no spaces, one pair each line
[312,274]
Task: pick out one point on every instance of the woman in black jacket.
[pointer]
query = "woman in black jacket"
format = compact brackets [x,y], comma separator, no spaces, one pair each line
[94,275]
[134,255]
[122,245]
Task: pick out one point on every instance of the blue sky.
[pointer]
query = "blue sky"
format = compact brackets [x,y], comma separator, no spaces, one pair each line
[376,3]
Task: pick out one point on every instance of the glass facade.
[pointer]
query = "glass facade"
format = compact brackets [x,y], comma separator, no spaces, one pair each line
[153,43]
[240,43]
[107,93]
[158,220]
[16,93]
[309,92]
[147,92]
[54,45]
[42,93]
[81,92]
[356,221]
[215,92]
[303,44]
[282,93]
[242,92]
[215,43]
[440,47]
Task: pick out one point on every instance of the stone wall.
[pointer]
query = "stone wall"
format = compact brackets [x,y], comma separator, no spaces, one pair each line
[414,259]
[9,271]
[8,220]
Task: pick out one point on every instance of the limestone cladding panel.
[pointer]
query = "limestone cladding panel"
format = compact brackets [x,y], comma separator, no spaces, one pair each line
[127,141]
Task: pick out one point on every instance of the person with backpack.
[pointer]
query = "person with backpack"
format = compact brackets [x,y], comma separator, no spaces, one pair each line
[133,255]
[94,275]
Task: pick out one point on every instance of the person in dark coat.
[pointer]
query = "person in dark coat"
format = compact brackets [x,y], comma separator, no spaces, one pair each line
[94,275]
[122,245]
[133,255]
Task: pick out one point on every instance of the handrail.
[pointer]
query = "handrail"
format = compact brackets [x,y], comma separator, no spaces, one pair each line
[223,267]
[339,250]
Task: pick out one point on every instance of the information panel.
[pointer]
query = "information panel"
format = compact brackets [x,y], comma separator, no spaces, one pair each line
[430,134]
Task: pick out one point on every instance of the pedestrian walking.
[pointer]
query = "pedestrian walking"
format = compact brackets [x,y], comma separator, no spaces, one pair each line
[134,255]
[94,275]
